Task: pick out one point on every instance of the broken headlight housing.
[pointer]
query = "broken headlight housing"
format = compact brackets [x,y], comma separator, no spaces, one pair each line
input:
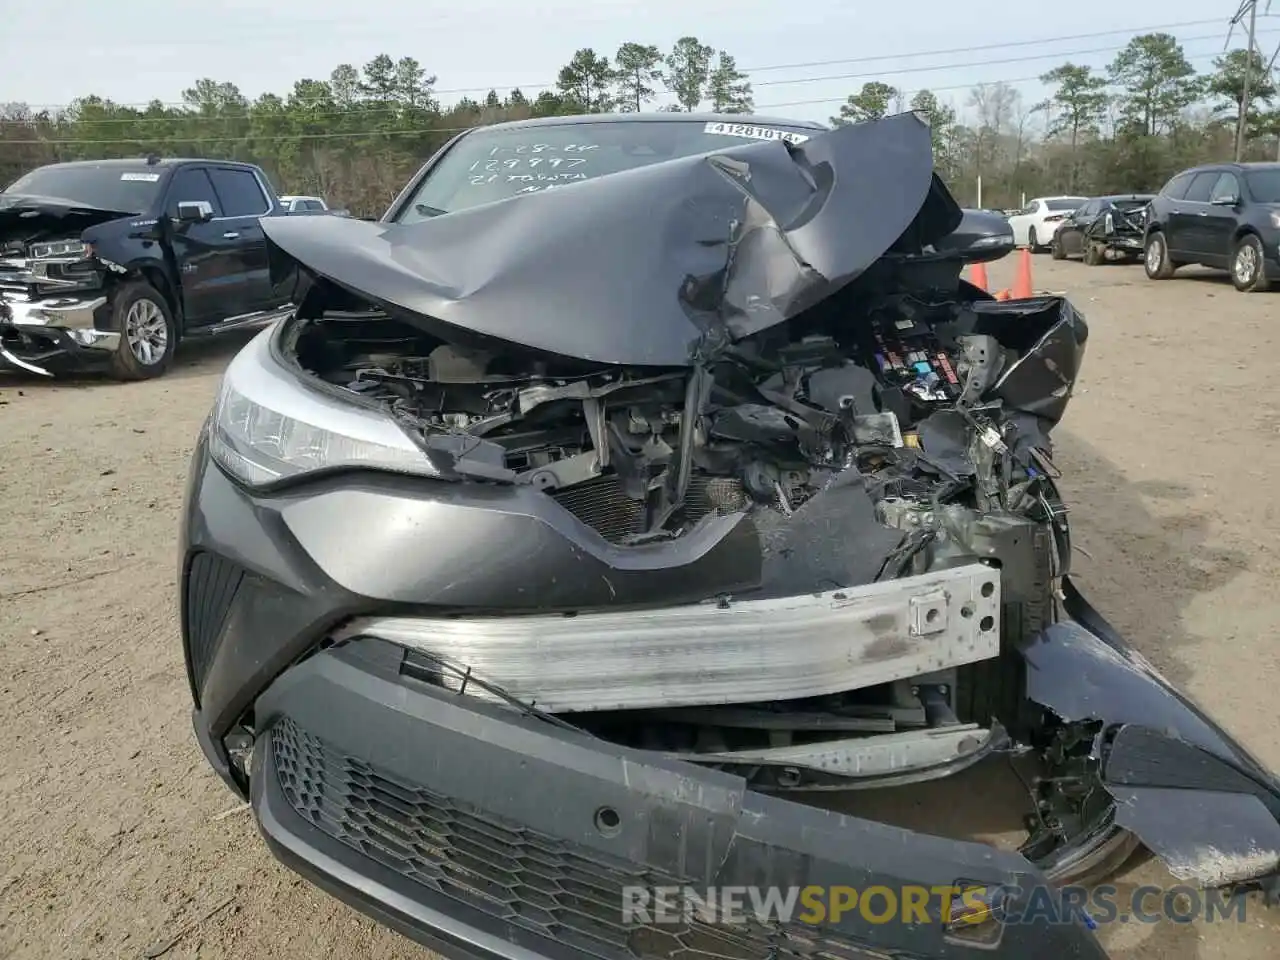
[59,248]
[267,427]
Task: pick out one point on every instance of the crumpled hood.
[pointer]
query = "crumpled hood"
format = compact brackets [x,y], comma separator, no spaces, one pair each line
[24,216]
[641,267]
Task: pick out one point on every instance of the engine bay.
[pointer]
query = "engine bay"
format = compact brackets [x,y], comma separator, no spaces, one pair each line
[937,397]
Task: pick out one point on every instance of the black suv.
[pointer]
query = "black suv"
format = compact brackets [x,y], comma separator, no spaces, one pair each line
[1224,215]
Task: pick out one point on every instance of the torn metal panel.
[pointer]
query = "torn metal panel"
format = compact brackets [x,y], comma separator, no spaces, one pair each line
[1208,837]
[1080,676]
[1184,787]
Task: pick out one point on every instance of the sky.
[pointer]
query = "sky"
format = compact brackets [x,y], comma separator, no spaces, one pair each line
[803,56]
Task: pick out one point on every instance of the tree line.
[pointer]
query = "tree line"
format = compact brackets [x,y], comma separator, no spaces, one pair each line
[357,136]
[1126,128]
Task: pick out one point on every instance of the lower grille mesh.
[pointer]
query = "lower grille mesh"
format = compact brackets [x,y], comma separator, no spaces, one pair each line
[504,870]
[601,504]
[211,588]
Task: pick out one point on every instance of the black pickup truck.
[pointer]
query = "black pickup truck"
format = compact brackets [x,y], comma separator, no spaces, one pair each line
[109,263]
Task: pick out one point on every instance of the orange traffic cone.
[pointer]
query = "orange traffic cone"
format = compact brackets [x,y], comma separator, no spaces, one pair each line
[1022,283]
[978,276]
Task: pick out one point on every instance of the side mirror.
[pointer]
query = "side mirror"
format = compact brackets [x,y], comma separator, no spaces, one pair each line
[1225,201]
[195,211]
[981,238]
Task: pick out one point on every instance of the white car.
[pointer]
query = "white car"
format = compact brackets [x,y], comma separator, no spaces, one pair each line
[1035,224]
[294,204]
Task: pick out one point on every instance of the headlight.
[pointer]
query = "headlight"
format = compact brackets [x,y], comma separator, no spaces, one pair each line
[1109,224]
[1275,219]
[266,427]
[59,248]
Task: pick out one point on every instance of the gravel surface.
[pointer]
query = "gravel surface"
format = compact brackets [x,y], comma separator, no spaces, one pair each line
[117,838]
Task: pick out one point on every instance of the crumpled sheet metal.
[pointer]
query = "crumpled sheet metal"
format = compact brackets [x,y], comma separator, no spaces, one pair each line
[649,266]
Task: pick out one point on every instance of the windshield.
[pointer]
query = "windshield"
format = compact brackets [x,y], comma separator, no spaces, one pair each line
[126,189]
[490,165]
[1066,203]
[1264,185]
[1130,204]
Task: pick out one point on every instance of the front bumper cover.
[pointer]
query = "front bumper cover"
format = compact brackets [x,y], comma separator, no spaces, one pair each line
[44,335]
[256,603]
[420,816]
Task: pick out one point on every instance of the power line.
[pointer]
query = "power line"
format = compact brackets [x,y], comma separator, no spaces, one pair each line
[795,66]
[990,46]
[974,63]
[935,89]
[275,138]
[198,118]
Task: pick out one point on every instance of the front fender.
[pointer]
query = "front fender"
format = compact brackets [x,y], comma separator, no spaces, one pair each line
[1196,797]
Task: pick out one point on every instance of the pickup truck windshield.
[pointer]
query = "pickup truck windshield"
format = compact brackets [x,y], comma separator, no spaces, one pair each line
[1264,185]
[489,165]
[125,189]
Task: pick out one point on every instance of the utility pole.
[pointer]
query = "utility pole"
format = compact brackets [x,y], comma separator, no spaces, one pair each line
[1242,120]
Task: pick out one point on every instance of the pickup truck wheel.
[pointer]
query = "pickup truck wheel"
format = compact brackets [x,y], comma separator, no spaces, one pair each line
[1092,253]
[1248,266]
[1156,260]
[147,332]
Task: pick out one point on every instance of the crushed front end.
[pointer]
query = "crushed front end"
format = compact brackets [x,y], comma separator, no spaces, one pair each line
[54,306]
[1121,229]
[491,629]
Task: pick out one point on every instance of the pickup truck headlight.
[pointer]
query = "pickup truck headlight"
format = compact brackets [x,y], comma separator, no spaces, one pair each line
[267,427]
[59,248]
[1275,219]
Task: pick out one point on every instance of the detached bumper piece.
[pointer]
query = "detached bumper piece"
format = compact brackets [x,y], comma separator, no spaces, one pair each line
[421,816]
[40,336]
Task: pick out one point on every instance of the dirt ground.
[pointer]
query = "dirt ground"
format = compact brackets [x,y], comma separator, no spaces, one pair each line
[117,838]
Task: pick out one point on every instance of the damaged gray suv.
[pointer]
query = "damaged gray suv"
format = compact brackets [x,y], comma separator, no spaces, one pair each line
[634,484]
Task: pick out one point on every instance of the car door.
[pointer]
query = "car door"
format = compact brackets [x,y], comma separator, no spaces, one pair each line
[1189,223]
[206,262]
[244,202]
[1225,204]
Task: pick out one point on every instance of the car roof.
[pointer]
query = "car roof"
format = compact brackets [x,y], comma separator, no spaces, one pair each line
[1228,166]
[1060,196]
[1128,196]
[655,117]
[160,162]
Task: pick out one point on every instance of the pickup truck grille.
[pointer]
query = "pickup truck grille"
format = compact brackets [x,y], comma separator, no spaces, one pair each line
[53,275]
[15,275]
